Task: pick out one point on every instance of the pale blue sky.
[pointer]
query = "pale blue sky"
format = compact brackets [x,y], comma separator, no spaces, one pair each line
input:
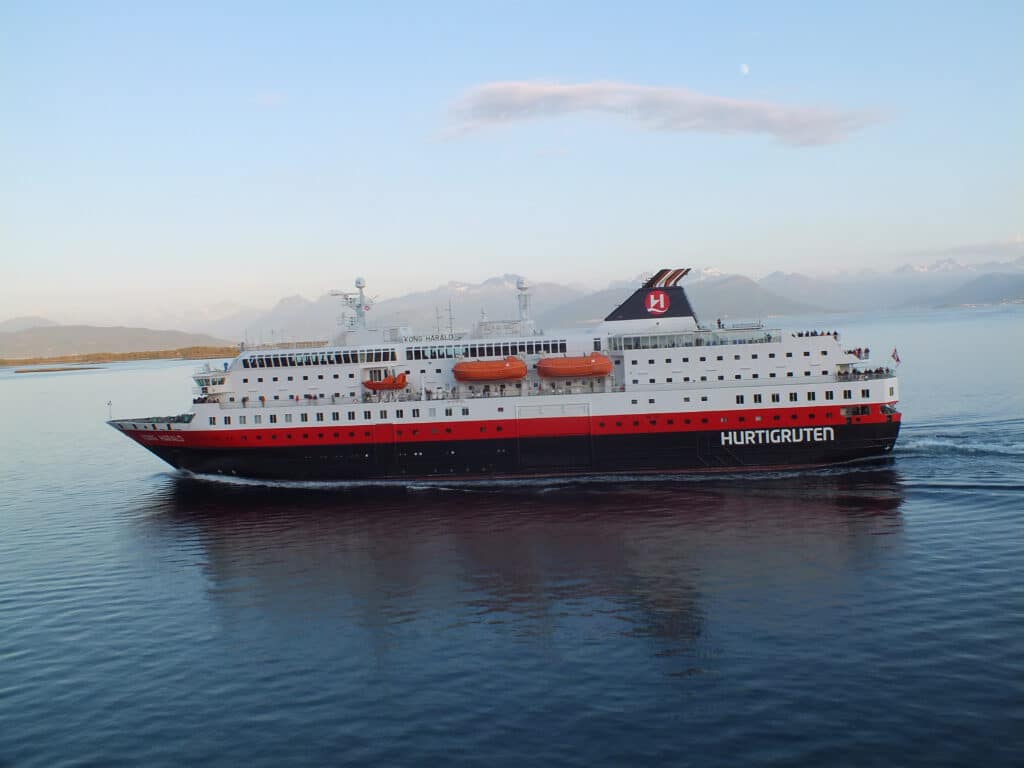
[156,156]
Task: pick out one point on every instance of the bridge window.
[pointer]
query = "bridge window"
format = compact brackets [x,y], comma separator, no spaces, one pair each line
[303,417]
[847,394]
[273,418]
[792,397]
[335,416]
[367,415]
[227,419]
[811,395]
[757,398]
[775,397]
[213,420]
[830,395]
[865,393]
[739,399]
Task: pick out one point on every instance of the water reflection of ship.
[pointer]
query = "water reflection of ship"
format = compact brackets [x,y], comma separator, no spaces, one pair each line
[638,559]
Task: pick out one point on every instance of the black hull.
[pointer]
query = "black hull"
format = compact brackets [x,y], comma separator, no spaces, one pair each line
[548,456]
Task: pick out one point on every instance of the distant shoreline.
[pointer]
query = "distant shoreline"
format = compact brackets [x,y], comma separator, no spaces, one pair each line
[60,369]
[184,353]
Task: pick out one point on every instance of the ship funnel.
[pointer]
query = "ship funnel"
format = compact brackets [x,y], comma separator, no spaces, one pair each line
[659,297]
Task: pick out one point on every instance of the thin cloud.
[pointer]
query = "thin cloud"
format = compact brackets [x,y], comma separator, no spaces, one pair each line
[657,109]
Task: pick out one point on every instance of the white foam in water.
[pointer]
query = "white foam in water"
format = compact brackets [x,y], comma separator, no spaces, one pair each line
[947,445]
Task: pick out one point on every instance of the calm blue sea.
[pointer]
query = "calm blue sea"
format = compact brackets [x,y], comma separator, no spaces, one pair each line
[855,616]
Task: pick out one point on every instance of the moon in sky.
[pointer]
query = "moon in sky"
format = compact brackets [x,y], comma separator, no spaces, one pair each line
[744,70]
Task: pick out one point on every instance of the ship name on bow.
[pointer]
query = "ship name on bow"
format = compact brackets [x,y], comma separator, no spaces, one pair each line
[775,436]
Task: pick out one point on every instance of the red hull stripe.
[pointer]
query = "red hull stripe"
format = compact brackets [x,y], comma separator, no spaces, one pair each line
[335,432]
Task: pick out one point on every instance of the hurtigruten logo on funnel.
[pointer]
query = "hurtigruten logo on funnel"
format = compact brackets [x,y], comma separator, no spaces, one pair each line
[657,302]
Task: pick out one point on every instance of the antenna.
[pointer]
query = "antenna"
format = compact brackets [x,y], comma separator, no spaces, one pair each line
[356,301]
[451,319]
[523,299]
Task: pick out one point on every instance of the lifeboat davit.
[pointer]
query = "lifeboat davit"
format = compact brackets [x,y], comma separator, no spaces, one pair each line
[388,382]
[509,369]
[592,365]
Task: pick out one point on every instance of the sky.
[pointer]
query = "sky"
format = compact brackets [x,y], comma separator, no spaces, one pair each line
[190,157]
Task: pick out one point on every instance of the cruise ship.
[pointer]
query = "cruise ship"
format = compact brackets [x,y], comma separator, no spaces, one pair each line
[648,389]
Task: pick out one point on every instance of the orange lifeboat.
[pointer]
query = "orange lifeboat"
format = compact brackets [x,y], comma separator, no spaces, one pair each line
[387,383]
[509,369]
[592,365]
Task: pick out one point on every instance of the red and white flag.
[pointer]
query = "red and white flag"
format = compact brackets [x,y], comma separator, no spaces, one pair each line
[895,356]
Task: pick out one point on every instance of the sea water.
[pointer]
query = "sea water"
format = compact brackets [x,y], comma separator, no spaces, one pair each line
[860,615]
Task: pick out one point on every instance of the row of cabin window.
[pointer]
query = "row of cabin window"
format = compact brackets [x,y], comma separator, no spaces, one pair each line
[811,396]
[485,350]
[736,376]
[665,341]
[703,359]
[854,410]
[259,379]
[335,416]
[320,377]
[321,358]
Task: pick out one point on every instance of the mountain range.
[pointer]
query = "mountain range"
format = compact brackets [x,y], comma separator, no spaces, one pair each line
[57,340]
[713,294]
[458,305]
